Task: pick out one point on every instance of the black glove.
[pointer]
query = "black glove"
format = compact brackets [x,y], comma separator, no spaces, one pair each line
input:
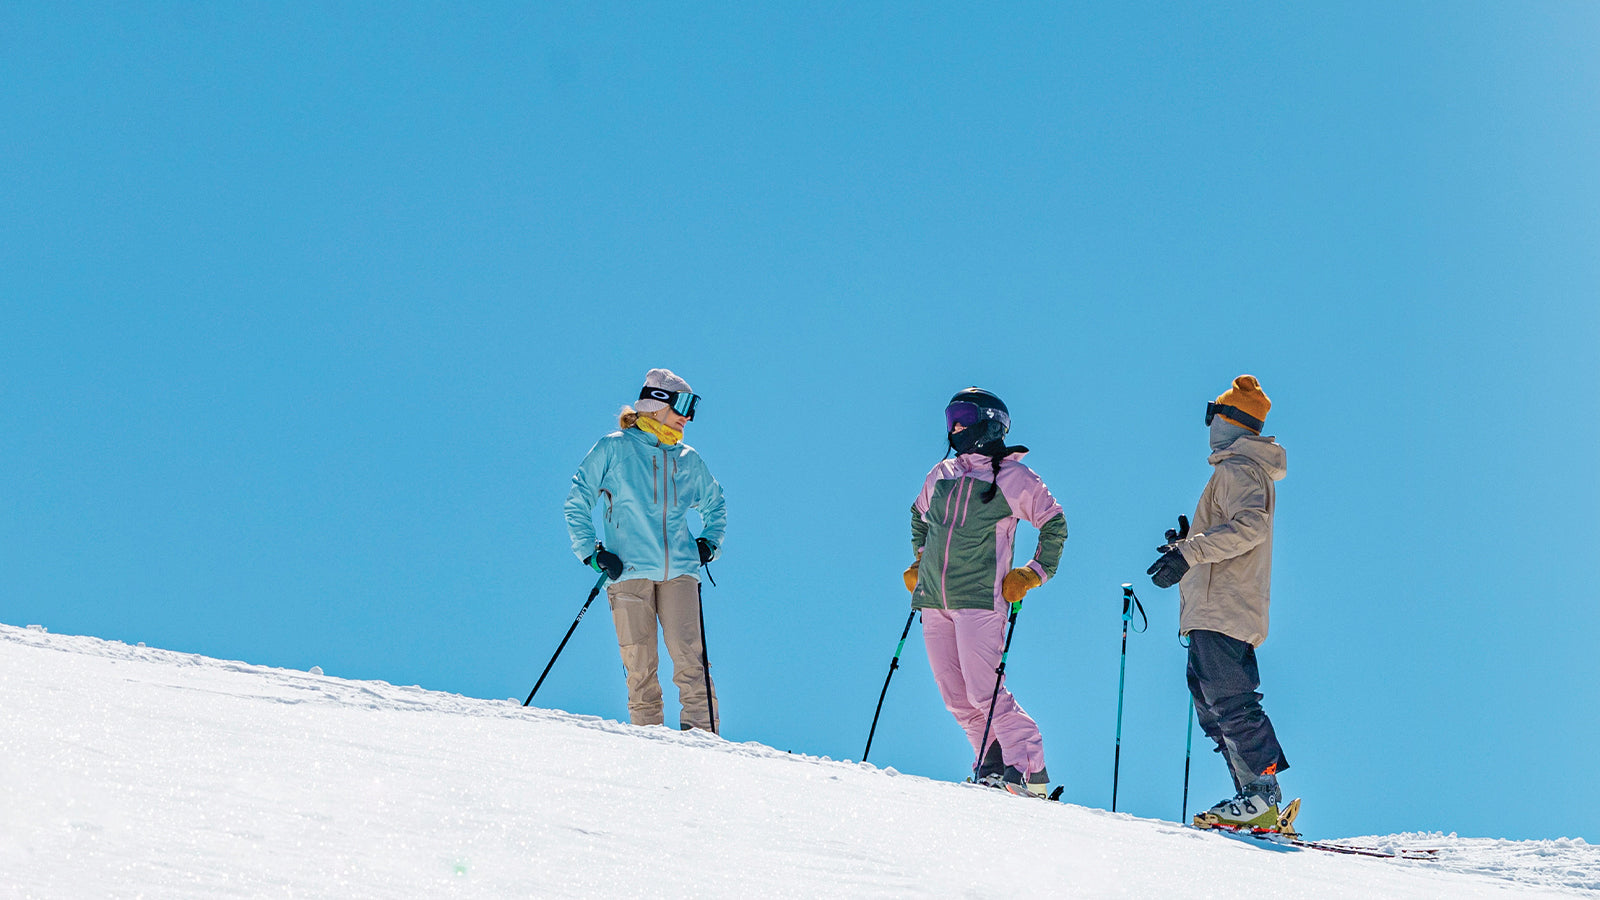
[708,550]
[1178,534]
[1168,570]
[605,561]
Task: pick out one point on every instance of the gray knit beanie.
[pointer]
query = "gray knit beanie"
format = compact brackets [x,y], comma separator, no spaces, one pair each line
[665,380]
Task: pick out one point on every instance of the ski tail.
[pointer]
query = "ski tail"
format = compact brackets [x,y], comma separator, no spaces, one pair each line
[1286,819]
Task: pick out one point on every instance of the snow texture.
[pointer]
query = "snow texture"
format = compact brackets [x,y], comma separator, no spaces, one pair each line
[132,771]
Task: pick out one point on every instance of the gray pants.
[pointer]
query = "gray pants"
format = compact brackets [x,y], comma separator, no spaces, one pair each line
[636,606]
[1223,679]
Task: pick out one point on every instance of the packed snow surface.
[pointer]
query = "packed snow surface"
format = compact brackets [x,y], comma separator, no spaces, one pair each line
[130,772]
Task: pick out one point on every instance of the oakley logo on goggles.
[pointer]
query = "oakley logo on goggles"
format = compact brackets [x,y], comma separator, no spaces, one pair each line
[1214,409]
[968,414]
[682,402]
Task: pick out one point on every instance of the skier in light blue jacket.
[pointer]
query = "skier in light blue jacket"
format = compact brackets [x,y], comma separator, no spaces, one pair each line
[645,480]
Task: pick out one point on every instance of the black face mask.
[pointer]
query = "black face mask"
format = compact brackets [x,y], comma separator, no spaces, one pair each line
[978,438]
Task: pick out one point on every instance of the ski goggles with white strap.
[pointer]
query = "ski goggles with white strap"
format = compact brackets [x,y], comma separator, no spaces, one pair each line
[682,402]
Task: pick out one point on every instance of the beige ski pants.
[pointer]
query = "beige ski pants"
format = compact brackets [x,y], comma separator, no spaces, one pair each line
[636,605]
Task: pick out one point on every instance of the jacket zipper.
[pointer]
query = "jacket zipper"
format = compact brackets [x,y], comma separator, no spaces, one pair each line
[666,548]
[949,532]
[944,563]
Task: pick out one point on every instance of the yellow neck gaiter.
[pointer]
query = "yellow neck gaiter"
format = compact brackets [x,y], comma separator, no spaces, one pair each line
[665,435]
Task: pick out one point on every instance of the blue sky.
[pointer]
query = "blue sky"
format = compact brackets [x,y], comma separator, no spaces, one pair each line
[307,315]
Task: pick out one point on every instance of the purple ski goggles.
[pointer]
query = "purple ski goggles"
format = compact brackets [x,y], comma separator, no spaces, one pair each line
[967,414]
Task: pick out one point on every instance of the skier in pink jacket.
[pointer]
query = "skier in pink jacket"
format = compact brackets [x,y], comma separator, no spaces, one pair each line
[963,530]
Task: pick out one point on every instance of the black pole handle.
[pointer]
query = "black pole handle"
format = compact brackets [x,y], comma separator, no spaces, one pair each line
[1130,605]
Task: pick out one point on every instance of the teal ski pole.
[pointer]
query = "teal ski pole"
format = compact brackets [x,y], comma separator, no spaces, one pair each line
[1129,603]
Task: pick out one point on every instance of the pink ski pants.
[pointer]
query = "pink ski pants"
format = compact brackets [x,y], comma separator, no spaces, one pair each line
[964,647]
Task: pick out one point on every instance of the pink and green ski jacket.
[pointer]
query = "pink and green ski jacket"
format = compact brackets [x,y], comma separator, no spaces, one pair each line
[964,545]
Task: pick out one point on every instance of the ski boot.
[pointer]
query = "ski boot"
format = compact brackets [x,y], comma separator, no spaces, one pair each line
[1253,809]
[1036,784]
[991,769]
[1012,781]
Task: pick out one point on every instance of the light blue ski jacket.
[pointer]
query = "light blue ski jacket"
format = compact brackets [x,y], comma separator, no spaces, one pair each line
[645,489]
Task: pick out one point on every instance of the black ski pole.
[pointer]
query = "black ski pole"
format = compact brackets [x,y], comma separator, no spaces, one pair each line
[1129,603]
[705,657]
[574,627]
[1188,746]
[999,675]
[893,664]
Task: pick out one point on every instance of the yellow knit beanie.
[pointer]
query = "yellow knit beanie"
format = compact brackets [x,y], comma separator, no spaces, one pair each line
[1247,397]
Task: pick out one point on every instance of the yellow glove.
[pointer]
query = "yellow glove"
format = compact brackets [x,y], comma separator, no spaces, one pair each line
[1019,582]
[911,575]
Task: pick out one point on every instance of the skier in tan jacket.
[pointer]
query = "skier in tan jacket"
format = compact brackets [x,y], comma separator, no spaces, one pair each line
[1224,572]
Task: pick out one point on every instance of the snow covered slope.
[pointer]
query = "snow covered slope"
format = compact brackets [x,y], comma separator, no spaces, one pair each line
[127,771]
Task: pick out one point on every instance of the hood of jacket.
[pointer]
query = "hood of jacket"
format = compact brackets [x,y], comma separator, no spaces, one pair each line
[971,462]
[1264,451]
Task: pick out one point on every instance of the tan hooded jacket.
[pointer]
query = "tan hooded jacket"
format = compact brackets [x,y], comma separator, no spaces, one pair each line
[1229,549]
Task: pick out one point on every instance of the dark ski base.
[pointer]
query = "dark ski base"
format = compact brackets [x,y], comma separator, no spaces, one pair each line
[1279,840]
[1290,840]
[1054,795]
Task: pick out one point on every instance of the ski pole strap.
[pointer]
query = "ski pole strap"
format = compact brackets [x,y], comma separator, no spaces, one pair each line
[1144,618]
[1130,602]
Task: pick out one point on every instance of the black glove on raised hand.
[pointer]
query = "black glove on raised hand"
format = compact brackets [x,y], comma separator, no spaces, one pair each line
[708,550]
[1168,570]
[1175,535]
[605,561]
